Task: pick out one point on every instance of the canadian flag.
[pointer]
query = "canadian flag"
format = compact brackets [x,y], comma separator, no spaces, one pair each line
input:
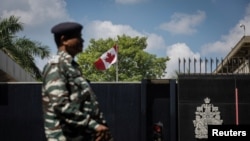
[107,59]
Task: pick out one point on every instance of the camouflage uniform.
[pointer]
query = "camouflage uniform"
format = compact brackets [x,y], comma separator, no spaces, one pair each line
[69,105]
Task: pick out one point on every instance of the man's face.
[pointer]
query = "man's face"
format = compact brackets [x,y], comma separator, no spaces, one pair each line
[74,44]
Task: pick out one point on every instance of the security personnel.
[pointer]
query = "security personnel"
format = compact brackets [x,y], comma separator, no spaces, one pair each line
[71,111]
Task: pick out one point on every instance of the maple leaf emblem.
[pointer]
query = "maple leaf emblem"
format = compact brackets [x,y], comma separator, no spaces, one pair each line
[109,57]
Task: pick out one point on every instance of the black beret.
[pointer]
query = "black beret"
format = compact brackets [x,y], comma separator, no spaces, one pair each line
[66,28]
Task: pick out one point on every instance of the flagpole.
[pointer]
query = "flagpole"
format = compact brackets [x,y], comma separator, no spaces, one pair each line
[117,65]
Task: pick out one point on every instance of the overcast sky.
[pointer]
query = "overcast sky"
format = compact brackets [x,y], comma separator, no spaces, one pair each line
[174,28]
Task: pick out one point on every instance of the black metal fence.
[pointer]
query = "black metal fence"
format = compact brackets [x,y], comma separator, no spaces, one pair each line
[21,112]
[213,65]
[131,109]
[125,106]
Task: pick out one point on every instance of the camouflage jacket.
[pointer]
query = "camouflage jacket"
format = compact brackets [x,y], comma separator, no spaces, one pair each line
[67,98]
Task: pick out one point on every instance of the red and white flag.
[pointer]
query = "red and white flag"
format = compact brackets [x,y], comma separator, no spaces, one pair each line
[107,59]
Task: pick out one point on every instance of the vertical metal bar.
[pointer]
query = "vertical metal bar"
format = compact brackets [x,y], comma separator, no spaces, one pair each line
[179,65]
[236,103]
[217,61]
[238,65]
[194,65]
[232,65]
[222,65]
[236,106]
[189,61]
[205,65]
[211,64]
[173,110]
[200,64]
[184,62]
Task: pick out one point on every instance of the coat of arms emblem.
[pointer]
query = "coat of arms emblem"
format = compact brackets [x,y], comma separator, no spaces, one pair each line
[206,114]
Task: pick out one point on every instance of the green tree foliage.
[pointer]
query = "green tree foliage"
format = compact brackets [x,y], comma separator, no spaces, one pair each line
[134,64]
[21,50]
